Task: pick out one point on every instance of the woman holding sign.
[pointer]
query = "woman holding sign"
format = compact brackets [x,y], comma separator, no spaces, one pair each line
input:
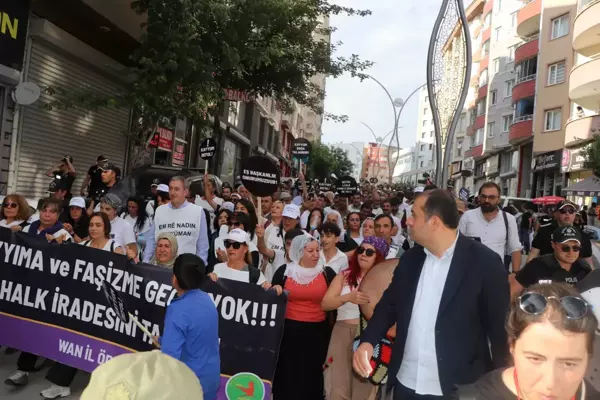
[299,372]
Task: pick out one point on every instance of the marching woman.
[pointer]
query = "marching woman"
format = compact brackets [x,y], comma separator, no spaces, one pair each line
[314,221]
[551,330]
[75,219]
[353,224]
[367,228]
[166,250]
[245,206]
[191,332]
[99,231]
[136,216]
[15,212]
[221,219]
[275,221]
[341,382]
[299,372]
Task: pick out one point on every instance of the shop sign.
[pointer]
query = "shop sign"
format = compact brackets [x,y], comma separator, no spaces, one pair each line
[14,17]
[491,165]
[179,154]
[547,161]
[573,159]
[239,95]
[468,164]
[165,139]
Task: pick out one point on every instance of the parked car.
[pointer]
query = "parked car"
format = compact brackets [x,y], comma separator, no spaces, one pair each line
[142,177]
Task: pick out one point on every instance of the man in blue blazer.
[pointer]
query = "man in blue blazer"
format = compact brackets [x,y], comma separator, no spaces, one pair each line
[449,298]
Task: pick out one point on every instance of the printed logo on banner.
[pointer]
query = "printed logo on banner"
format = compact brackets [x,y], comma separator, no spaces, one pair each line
[245,386]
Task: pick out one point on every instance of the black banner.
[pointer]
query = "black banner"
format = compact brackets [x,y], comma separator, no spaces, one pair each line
[52,303]
[14,16]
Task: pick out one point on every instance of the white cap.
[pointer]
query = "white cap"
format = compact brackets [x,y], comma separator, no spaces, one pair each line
[237,235]
[162,188]
[142,376]
[77,202]
[419,189]
[291,211]
[228,206]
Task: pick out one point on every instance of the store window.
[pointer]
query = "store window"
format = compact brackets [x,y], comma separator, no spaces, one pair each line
[231,161]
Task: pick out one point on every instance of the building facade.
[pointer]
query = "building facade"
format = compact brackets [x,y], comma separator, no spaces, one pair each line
[355,152]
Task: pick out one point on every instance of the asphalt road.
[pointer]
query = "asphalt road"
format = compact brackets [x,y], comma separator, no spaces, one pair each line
[37,381]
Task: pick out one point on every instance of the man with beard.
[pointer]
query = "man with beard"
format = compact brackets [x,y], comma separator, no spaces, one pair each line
[495,228]
[564,215]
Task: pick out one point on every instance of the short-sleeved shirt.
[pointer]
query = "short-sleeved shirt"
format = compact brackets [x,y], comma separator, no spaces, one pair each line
[492,233]
[224,271]
[122,233]
[547,268]
[543,241]
[66,179]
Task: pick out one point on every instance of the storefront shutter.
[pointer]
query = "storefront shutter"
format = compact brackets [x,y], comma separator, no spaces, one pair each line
[45,137]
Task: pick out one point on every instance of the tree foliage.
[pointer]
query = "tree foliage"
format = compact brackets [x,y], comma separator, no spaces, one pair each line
[592,156]
[326,160]
[191,50]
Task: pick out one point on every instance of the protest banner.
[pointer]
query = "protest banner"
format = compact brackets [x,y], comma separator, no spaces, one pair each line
[52,304]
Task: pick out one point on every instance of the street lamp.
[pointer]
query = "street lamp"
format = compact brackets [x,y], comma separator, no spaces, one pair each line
[397,103]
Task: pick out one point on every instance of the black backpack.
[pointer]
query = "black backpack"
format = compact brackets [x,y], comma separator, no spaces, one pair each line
[254,274]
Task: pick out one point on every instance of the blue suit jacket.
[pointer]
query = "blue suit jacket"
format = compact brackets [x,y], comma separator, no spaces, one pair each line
[472,311]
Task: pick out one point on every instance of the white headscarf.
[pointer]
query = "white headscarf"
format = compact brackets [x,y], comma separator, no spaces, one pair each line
[294,270]
[340,223]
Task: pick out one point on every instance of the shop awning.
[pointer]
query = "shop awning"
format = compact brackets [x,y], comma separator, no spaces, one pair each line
[587,187]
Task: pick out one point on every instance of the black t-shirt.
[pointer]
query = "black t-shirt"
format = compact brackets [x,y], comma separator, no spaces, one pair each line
[492,387]
[64,179]
[526,220]
[96,183]
[543,241]
[547,268]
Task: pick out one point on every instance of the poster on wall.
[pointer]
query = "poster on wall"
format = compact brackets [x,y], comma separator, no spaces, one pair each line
[14,17]
[179,153]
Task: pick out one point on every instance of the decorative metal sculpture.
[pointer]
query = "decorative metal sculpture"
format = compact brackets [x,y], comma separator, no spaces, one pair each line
[448,74]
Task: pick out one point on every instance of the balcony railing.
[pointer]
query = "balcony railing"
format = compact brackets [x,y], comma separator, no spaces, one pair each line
[525,2]
[525,79]
[523,118]
[530,39]
[584,4]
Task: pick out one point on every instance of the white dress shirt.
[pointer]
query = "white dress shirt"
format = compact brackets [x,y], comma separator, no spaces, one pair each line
[492,233]
[338,262]
[419,368]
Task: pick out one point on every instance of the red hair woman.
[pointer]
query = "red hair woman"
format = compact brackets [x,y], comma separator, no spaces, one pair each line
[343,295]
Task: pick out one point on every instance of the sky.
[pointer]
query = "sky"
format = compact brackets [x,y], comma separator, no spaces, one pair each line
[395,37]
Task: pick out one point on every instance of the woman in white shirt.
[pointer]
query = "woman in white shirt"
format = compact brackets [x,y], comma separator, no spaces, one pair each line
[136,216]
[99,231]
[353,232]
[121,231]
[341,382]
[238,266]
[15,212]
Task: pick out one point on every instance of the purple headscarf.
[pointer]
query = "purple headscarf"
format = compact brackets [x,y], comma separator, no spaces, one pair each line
[379,243]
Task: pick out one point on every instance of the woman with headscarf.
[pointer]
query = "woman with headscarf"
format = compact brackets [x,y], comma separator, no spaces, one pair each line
[299,373]
[166,250]
[341,382]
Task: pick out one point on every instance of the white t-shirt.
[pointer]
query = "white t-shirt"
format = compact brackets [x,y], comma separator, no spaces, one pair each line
[121,232]
[184,222]
[204,204]
[351,208]
[304,219]
[132,221]
[58,233]
[377,211]
[275,243]
[14,223]
[224,272]
[111,245]
[150,209]
[338,262]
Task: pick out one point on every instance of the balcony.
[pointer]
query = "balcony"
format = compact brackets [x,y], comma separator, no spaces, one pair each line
[477,151]
[521,129]
[487,7]
[584,84]
[586,29]
[528,49]
[485,61]
[486,35]
[482,92]
[524,87]
[528,18]
[582,129]
[479,122]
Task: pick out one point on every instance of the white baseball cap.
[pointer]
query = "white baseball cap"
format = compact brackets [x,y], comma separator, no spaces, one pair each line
[228,206]
[77,202]
[162,188]
[237,235]
[291,211]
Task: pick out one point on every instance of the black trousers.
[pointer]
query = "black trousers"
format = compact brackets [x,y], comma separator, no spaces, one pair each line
[59,374]
[401,392]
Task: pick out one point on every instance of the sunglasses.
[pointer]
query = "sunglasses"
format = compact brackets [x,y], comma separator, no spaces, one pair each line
[535,304]
[235,245]
[368,252]
[567,249]
[568,210]
[10,205]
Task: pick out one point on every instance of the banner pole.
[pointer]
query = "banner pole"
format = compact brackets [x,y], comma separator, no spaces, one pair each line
[143,328]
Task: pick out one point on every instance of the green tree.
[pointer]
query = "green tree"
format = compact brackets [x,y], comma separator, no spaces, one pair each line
[592,156]
[192,50]
[326,160]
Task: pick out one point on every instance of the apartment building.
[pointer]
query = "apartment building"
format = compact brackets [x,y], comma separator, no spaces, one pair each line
[355,153]
[405,170]
[375,162]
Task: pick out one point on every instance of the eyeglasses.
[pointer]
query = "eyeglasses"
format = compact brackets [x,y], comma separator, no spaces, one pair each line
[568,210]
[490,198]
[10,205]
[567,249]
[535,304]
[368,252]
[235,245]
